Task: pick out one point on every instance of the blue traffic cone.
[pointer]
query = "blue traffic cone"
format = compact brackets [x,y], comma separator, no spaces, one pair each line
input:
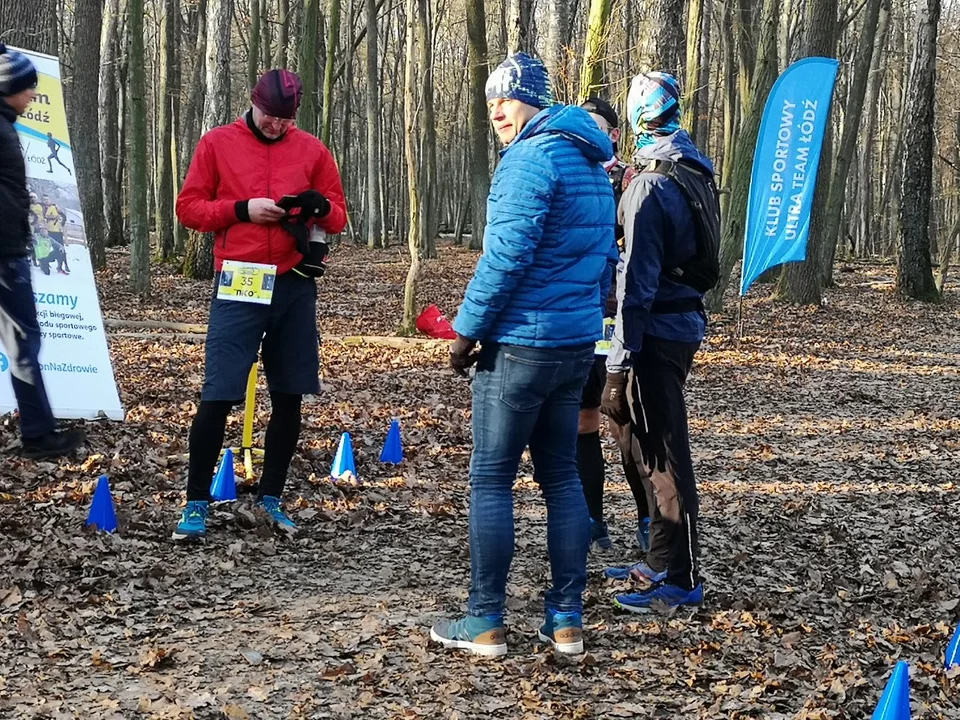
[953,651]
[393,447]
[343,462]
[102,514]
[224,486]
[895,701]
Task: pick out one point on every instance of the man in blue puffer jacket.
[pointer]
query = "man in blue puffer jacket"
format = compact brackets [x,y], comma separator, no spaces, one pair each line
[535,308]
[660,325]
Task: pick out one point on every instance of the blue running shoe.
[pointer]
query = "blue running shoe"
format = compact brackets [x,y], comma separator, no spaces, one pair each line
[480,635]
[643,535]
[193,521]
[272,507]
[599,535]
[563,630]
[670,596]
[638,571]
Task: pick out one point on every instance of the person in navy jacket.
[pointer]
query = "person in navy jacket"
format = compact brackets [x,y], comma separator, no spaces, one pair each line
[660,325]
[535,308]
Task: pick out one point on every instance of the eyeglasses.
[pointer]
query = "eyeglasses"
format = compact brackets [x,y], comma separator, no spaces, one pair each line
[286,122]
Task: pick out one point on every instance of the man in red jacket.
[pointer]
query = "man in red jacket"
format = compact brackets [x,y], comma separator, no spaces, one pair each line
[268,192]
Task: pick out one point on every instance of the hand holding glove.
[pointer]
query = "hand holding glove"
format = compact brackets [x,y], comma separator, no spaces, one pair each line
[614,402]
[312,204]
[462,354]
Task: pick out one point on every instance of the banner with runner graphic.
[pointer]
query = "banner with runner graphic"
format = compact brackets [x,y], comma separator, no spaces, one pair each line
[74,355]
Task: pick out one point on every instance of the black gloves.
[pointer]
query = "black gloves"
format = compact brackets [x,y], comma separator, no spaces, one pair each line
[462,355]
[614,402]
[312,204]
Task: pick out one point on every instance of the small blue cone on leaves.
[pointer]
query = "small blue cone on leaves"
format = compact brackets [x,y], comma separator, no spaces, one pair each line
[102,514]
[224,486]
[895,701]
[393,447]
[343,462]
[953,651]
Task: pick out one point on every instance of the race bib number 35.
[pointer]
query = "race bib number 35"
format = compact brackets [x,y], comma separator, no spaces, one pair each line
[247,282]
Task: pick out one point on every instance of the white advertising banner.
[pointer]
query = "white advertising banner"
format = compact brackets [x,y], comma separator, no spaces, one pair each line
[74,355]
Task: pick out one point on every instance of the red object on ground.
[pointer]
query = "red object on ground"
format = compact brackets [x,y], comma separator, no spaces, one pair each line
[432,322]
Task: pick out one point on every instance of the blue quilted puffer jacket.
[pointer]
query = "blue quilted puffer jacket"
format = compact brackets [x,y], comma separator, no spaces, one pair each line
[548,250]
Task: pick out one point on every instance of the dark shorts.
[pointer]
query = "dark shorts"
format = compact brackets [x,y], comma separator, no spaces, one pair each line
[593,388]
[287,331]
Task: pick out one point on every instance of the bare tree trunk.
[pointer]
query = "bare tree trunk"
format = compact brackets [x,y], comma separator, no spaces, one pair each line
[176,80]
[333,41]
[479,145]
[785,40]
[800,282]
[193,113]
[139,213]
[665,47]
[84,125]
[598,27]
[730,106]
[865,170]
[853,111]
[738,177]
[410,151]
[697,21]
[307,66]
[375,233]
[346,101]
[29,25]
[198,263]
[558,32]
[890,196]
[429,221]
[108,113]
[283,33]
[165,189]
[520,26]
[253,54]
[914,270]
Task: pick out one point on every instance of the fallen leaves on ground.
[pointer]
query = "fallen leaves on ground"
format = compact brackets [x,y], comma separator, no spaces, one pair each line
[826,446]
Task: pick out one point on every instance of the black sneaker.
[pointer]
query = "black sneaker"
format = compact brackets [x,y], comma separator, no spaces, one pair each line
[53,444]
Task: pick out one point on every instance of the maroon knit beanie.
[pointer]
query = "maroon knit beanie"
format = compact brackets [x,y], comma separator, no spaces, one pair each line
[278,93]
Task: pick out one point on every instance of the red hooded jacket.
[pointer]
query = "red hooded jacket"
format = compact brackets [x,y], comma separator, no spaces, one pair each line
[230,165]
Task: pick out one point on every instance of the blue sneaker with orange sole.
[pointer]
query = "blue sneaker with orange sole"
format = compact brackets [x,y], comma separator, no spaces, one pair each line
[564,631]
[480,635]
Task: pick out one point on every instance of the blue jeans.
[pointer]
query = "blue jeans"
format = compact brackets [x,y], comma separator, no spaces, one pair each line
[20,335]
[527,396]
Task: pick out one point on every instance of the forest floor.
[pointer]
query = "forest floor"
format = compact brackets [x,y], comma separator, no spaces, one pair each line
[826,444]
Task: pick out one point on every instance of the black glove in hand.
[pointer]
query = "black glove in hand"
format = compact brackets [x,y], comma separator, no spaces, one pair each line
[313,204]
[614,402]
[462,355]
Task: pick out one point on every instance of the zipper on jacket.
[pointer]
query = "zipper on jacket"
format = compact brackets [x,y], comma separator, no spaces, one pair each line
[223,241]
[269,249]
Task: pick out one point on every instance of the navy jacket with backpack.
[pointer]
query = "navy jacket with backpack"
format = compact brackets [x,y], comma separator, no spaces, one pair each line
[660,233]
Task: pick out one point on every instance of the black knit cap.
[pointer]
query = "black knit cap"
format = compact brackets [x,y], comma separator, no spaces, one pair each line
[601,107]
[17,73]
